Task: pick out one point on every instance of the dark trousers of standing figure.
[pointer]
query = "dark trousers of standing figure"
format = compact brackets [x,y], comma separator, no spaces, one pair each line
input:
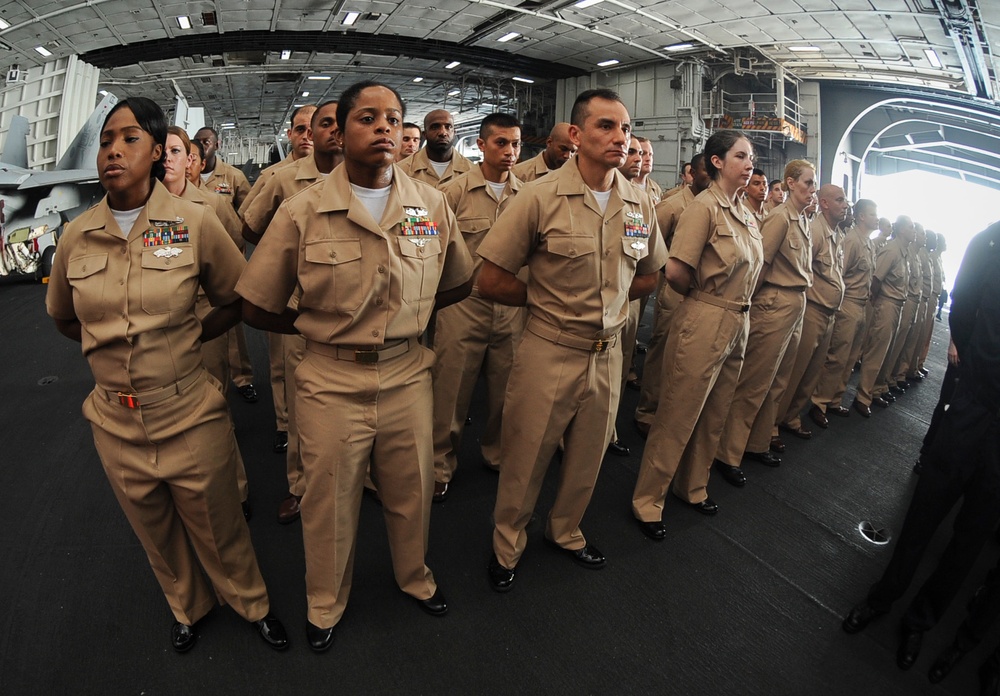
[962,462]
[947,391]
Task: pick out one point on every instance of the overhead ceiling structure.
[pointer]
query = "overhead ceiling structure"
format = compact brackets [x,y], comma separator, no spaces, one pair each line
[250,61]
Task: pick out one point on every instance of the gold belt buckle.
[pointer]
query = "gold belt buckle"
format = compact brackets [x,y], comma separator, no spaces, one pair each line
[600,345]
[366,356]
[128,400]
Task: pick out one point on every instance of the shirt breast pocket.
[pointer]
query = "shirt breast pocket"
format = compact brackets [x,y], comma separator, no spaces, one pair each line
[473,229]
[575,259]
[87,275]
[421,261]
[169,283]
[635,249]
[331,275]
[726,245]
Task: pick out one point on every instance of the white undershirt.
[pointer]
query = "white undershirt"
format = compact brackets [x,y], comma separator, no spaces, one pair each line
[373,199]
[602,198]
[126,219]
[440,167]
[497,188]
[205,176]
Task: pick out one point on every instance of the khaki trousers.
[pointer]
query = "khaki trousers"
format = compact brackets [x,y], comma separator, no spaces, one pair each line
[887,376]
[349,414]
[817,329]
[239,357]
[214,354]
[704,353]
[881,331]
[667,300]
[910,356]
[845,345]
[295,348]
[774,316]
[928,331]
[554,392]
[472,336]
[172,467]
[276,365]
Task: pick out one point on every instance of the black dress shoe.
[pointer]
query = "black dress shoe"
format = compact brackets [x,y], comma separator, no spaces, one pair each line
[618,448]
[641,348]
[989,676]
[657,531]
[706,507]
[818,417]
[864,409]
[588,556]
[436,605]
[248,393]
[440,492]
[733,475]
[765,458]
[501,579]
[859,617]
[798,432]
[776,445]
[882,401]
[280,441]
[897,390]
[914,377]
[247,510]
[945,662]
[839,411]
[923,371]
[273,633]
[918,467]
[888,397]
[634,384]
[909,647]
[320,639]
[182,637]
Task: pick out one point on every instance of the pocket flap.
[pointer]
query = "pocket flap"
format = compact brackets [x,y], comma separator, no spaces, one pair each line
[571,246]
[84,266]
[333,251]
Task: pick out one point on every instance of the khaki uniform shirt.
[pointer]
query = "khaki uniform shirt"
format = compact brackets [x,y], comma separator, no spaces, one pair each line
[362,282]
[531,169]
[653,189]
[262,179]
[669,210]
[471,198]
[581,261]
[827,289]
[674,191]
[892,270]
[135,296]
[787,243]
[926,272]
[859,262]
[222,209]
[937,274]
[915,278]
[720,241]
[226,180]
[418,166]
[282,185]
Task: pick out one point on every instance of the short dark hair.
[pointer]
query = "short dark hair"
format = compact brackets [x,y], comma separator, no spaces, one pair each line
[685,165]
[151,119]
[407,125]
[773,182]
[497,120]
[700,157]
[211,130]
[299,109]
[579,113]
[864,205]
[322,106]
[720,143]
[200,147]
[350,97]
[757,172]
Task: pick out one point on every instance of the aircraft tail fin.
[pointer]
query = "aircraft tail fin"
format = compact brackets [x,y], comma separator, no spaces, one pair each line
[82,152]
[15,149]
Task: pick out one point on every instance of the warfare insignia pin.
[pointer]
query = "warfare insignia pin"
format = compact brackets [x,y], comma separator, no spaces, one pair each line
[168,252]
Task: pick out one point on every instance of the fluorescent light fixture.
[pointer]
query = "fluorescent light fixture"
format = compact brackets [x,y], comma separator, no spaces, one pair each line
[351,17]
[607,63]
[286,54]
[523,79]
[227,125]
[453,64]
[230,127]
[454,92]
[317,77]
[804,49]
[932,57]
[587,3]
[679,47]
[44,51]
[508,36]
[296,106]
[305,94]
[418,79]
[4,24]
[184,22]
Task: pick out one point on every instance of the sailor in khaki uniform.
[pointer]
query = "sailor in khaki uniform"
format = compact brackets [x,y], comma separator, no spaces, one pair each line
[371,252]
[125,283]
[715,258]
[906,366]
[937,284]
[888,296]
[848,325]
[558,151]
[668,212]
[644,181]
[775,324]
[823,299]
[889,377]
[326,153]
[591,243]
[475,334]
[437,162]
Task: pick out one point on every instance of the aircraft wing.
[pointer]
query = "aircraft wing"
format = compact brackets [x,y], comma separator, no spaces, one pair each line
[12,177]
[56,177]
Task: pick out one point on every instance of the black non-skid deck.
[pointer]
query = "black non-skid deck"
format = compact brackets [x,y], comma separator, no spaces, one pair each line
[748,602]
